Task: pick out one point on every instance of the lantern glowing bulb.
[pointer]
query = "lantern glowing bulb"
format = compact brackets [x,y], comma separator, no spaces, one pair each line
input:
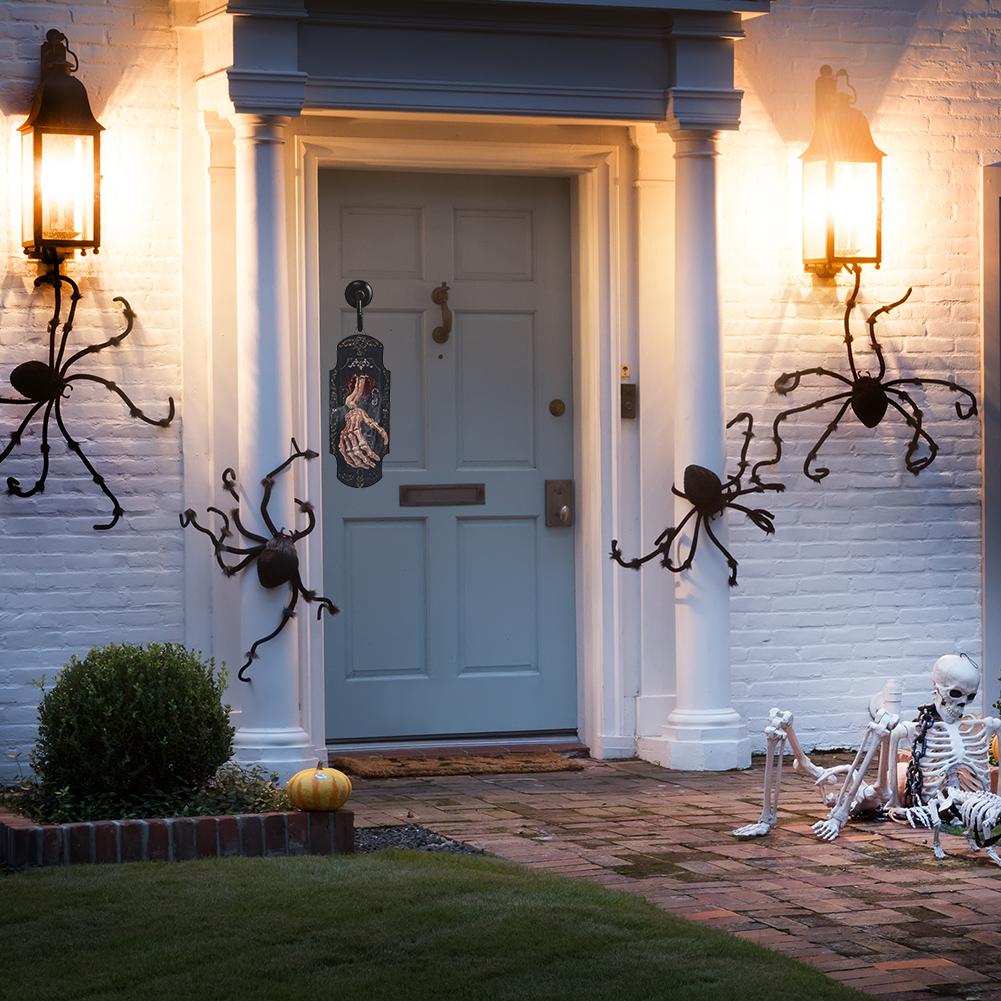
[61,142]
[842,183]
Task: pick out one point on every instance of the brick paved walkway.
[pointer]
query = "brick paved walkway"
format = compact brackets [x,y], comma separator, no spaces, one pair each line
[874,909]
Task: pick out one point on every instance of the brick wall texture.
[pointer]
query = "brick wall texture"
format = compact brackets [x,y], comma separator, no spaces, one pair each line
[63,586]
[874,573]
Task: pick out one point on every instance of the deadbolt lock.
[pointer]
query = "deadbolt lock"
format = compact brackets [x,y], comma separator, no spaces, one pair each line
[559,503]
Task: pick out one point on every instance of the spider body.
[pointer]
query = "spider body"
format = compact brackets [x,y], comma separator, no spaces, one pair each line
[709,497]
[869,400]
[37,381]
[43,386]
[869,397]
[276,556]
[279,562]
[705,491]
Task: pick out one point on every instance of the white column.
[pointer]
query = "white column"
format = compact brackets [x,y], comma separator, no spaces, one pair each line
[270,725]
[703,731]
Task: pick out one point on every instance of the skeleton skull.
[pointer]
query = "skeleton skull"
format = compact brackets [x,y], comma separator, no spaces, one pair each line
[956,680]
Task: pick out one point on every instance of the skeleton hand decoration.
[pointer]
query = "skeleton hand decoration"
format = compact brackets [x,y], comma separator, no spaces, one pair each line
[353,443]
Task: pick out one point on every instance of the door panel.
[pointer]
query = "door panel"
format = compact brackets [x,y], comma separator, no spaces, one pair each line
[459,619]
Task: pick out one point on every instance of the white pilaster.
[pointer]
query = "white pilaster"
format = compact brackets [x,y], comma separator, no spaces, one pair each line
[270,730]
[703,731]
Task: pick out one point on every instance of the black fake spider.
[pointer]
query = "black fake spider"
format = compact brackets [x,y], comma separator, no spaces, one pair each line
[868,396]
[45,384]
[277,560]
[709,497]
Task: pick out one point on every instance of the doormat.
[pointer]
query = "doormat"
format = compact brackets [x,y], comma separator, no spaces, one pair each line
[465,764]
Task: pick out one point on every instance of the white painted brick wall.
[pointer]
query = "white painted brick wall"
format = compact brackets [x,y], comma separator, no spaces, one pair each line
[63,586]
[874,573]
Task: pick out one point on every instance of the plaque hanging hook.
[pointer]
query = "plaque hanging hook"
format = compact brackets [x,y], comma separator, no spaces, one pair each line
[358,294]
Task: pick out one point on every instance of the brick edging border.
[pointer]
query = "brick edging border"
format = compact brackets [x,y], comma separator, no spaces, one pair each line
[173,839]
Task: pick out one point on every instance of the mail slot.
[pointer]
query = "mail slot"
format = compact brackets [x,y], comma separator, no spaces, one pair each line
[442,494]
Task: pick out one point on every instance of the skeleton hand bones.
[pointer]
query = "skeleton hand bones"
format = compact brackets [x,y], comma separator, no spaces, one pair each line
[352,445]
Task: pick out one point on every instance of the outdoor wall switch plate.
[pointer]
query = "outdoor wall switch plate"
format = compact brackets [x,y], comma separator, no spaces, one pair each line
[628,401]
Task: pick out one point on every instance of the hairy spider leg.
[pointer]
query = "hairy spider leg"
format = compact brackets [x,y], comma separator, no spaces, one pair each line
[730,561]
[669,534]
[229,485]
[53,325]
[666,548]
[742,462]
[311,596]
[761,517]
[13,484]
[940,382]
[849,306]
[134,411]
[777,438]
[269,481]
[74,446]
[70,316]
[109,343]
[287,613]
[783,388]
[915,421]
[821,471]
[872,330]
[189,517]
[307,510]
[15,438]
[243,530]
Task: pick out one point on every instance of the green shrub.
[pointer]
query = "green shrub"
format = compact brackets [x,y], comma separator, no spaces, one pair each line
[130,721]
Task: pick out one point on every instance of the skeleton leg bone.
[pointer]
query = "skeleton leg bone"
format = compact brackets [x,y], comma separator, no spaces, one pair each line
[829,829]
[776,734]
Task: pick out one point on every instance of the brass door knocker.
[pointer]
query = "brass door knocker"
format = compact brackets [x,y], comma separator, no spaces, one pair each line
[440,298]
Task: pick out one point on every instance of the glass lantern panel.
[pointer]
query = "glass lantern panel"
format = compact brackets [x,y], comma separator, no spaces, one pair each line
[28,187]
[815,210]
[67,187]
[856,208]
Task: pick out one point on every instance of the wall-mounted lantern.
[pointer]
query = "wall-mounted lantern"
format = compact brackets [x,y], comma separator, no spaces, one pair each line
[842,183]
[61,158]
[61,149]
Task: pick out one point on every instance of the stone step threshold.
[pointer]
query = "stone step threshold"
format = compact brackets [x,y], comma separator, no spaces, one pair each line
[173,839]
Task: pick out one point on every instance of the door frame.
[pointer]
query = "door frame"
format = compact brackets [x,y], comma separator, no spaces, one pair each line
[595,297]
[991,430]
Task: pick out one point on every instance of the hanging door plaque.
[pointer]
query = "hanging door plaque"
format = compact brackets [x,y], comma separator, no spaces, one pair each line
[359,410]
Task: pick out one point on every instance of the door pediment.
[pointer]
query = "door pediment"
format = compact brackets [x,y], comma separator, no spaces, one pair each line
[637,61]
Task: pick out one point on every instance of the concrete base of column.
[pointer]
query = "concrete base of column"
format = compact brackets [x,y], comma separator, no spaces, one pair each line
[285,751]
[708,740]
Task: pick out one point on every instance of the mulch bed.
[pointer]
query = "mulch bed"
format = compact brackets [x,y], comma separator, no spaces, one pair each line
[411,836]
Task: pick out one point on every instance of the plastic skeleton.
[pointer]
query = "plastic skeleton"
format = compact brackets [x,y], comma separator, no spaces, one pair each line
[947,782]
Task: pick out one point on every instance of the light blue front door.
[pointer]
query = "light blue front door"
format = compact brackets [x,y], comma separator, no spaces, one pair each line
[455,619]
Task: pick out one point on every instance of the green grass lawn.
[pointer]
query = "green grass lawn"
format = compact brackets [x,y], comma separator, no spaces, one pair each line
[381,927]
